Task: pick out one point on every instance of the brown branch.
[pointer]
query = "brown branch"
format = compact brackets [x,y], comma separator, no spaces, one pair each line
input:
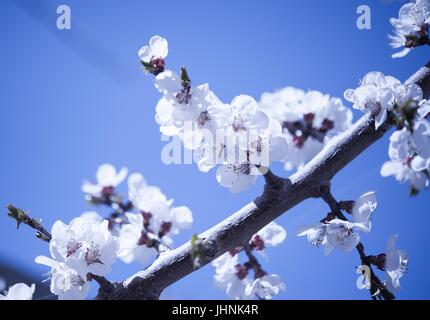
[279,195]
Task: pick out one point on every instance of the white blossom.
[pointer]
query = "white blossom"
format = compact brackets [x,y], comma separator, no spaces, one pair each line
[396,263]
[132,245]
[82,247]
[262,147]
[308,120]
[272,235]
[341,234]
[404,172]
[19,291]
[412,24]
[226,277]
[107,178]
[409,156]
[160,209]
[84,241]
[237,177]
[363,209]
[335,233]
[244,115]
[265,288]
[197,129]
[185,103]
[316,235]
[157,49]
[67,280]
[376,94]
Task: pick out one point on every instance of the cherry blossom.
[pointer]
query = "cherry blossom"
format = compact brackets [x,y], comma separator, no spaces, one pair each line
[409,154]
[155,220]
[244,115]
[308,120]
[186,102]
[404,172]
[210,117]
[237,177]
[153,56]
[233,276]
[376,94]
[363,209]
[396,263]
[265,288]
[159,210]
[133,241]
[316,235]
[228,276]
[262,147]
[107,179]
[84,241]
[19,291]
[270,236]
[67,281]
[341,235]
[411,27]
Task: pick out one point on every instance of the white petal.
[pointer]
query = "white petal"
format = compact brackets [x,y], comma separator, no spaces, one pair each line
[20,291]
[183,217]
[159,47]
[401,54]
[244,104]
[145,54]
[419,164]
[273,234]
[380,118]
[169,84]
[46,261]
[391,168]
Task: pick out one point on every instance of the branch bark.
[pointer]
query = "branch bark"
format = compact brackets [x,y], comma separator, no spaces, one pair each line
[279,196]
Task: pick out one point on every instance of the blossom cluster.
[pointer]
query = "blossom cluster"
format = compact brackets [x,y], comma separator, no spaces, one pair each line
[308,119]
[409,148]
[233,276]
[243,137]
[89,245]
[82,248]
[411,28]
[336,232]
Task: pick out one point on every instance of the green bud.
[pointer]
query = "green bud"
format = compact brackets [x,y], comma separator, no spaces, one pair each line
[184,76]
[413,192]
[17,214]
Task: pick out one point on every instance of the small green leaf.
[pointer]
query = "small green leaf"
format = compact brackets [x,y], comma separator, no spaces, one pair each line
[184,76]
[17,214]
[194,240]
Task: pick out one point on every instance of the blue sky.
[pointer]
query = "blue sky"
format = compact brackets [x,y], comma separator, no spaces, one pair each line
[71,100]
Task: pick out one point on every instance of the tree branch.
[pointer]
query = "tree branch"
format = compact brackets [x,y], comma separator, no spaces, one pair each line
[279,196]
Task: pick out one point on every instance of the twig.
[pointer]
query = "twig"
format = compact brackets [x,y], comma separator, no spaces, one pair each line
[22,217]
[376,284]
